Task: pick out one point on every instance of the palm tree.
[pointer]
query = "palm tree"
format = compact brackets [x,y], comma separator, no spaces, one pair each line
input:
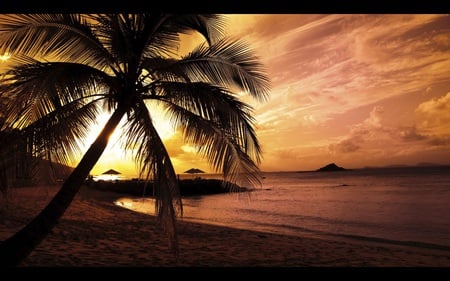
[66,68]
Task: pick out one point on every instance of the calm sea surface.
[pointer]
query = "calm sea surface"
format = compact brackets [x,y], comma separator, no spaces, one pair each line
[403,206]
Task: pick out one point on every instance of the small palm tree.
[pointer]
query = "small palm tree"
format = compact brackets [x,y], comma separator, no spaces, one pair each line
[66,68]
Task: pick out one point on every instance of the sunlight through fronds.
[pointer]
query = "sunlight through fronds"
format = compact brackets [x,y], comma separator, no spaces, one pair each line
[58,132]
[68,37]
[5,57]
[54,104]
[219,124]
[228,62]
[39,89]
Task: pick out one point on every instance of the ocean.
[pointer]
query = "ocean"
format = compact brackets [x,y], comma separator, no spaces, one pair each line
[407,206]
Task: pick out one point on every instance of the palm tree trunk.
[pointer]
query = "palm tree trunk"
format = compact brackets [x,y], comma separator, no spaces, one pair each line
[16,248]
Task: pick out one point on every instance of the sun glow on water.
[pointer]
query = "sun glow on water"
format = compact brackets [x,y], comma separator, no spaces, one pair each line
[141,205]
[107,177]
[124,203]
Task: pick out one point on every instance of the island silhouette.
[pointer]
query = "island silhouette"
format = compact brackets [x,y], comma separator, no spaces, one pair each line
[332,167]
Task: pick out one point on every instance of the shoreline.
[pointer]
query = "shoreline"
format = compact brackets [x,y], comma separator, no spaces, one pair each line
[426,247]
[96,233]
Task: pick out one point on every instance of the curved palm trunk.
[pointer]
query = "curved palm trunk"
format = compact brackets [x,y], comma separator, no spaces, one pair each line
[20,245]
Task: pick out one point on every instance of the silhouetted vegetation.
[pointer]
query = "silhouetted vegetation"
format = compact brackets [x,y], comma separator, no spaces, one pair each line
[188,187]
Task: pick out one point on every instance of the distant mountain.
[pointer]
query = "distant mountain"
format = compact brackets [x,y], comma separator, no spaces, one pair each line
[53,173]
[422,164]
[44,173]
[397,166]
[428,164]
[331,168]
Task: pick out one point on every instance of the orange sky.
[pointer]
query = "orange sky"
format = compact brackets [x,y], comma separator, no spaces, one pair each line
[356,90]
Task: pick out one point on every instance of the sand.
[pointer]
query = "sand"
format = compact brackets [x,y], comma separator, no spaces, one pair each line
[96,233]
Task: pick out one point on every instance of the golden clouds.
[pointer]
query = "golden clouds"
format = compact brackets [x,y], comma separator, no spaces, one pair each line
[436,106]
[434,115]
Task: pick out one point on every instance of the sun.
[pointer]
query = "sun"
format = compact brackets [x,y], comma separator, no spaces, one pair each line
[162,125]
[4,57]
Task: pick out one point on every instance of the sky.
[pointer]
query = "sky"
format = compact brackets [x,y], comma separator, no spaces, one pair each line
[358,90]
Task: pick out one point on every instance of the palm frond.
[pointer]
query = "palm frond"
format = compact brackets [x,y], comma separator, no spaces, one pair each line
[63,36]
[210,26]
[229,63]
[163,69]
[159,33]
[154,163]
[149,34]
[57,135]
[216,105]
[215,121]
[115,37]
[10,145]
[40,88]
[220,149]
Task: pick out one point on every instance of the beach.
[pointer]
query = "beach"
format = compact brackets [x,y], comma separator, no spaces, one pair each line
[96,233]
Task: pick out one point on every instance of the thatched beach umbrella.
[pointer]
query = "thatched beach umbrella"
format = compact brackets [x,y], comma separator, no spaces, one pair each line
[194,171]
[111,172]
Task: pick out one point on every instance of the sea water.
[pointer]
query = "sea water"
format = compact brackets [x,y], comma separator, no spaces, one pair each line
[404,206]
